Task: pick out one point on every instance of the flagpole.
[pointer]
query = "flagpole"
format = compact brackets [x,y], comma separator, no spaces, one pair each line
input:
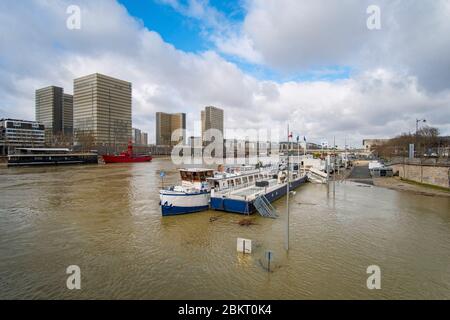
[306,145]
[345,152]
[287,198]
[298,155]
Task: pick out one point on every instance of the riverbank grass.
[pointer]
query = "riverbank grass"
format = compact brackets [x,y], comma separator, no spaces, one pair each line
[427,185]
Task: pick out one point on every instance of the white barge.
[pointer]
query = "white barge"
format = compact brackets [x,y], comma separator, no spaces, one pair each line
[244,196]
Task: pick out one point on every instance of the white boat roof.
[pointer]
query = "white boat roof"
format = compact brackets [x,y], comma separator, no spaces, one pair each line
[196,169]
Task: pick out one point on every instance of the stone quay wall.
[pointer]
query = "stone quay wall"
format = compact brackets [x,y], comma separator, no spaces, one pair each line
[432,172]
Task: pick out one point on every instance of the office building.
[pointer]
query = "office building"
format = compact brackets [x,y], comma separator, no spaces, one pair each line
[166,124]
[54,109]
[136,136]
[67,117]
[144,138]
[212,118]
[139,137]
[102,110]
[20,134]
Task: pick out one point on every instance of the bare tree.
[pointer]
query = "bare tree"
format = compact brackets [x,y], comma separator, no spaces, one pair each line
[426,139]
[60,140]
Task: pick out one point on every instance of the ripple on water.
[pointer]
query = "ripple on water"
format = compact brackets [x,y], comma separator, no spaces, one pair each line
[106,219]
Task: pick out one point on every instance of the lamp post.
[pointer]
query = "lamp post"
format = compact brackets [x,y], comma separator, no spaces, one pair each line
[417,124]
[286,244]
[417,129]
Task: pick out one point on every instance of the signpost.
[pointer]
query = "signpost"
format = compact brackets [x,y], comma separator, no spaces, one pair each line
[244,245]
[162,174]
[269,257]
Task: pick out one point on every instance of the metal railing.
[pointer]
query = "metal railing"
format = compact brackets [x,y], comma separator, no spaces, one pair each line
[264,207]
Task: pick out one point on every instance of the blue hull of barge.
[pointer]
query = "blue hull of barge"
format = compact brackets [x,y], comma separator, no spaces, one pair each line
[247,207]
[173,211]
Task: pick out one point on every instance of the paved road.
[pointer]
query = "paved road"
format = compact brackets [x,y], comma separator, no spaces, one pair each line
[361,174]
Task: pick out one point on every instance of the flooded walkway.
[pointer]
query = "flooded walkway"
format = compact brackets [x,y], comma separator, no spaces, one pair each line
[361,174]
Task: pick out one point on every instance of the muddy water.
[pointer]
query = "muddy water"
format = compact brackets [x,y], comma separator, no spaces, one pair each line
[106,220]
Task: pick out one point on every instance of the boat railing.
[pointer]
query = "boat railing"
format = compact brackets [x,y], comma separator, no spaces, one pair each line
[183,189]
[229,190]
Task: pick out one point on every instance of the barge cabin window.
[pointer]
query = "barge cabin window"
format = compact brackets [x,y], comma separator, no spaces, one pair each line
[196,176]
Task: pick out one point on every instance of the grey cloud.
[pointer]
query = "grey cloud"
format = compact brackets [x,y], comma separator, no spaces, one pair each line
[377,102]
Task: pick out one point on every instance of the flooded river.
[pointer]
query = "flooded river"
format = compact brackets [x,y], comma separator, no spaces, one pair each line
[106,220]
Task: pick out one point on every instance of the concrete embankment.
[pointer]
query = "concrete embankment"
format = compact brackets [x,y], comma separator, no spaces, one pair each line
[361,174]
[430,172]
[396,183]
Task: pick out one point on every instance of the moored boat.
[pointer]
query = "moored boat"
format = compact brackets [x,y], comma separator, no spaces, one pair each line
[50,156]
[191,196]
[127,157]
[241,199]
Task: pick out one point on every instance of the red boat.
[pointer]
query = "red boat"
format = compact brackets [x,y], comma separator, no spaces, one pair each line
[126,157]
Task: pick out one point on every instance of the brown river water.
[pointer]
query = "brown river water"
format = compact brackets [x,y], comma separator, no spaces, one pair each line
[106,220]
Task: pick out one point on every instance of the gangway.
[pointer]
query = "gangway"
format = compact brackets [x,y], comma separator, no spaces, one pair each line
[264,207]
[317,176]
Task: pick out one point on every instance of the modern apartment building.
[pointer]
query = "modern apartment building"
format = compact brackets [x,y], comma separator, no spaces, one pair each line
[136,136]
[139,138]
[20,134]
[102,110]
[166,123]
[144,138]
[212,118]
[67,115]
[54,109]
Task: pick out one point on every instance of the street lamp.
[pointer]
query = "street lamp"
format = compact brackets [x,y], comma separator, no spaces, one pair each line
[417,129]
[417,123]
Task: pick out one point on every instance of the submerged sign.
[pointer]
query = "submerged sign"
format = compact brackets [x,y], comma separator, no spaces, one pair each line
[244,245]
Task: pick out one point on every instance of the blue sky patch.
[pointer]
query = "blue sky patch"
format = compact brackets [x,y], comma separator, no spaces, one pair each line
[188,34]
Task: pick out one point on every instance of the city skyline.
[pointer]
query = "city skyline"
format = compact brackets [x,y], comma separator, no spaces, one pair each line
[332,88]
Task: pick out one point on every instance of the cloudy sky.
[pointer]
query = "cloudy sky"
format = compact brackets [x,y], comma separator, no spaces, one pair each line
[314,64]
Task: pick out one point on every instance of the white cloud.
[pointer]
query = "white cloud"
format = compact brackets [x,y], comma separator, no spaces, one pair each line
[40,51]
[302,34]
[297,35]
[240,46]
